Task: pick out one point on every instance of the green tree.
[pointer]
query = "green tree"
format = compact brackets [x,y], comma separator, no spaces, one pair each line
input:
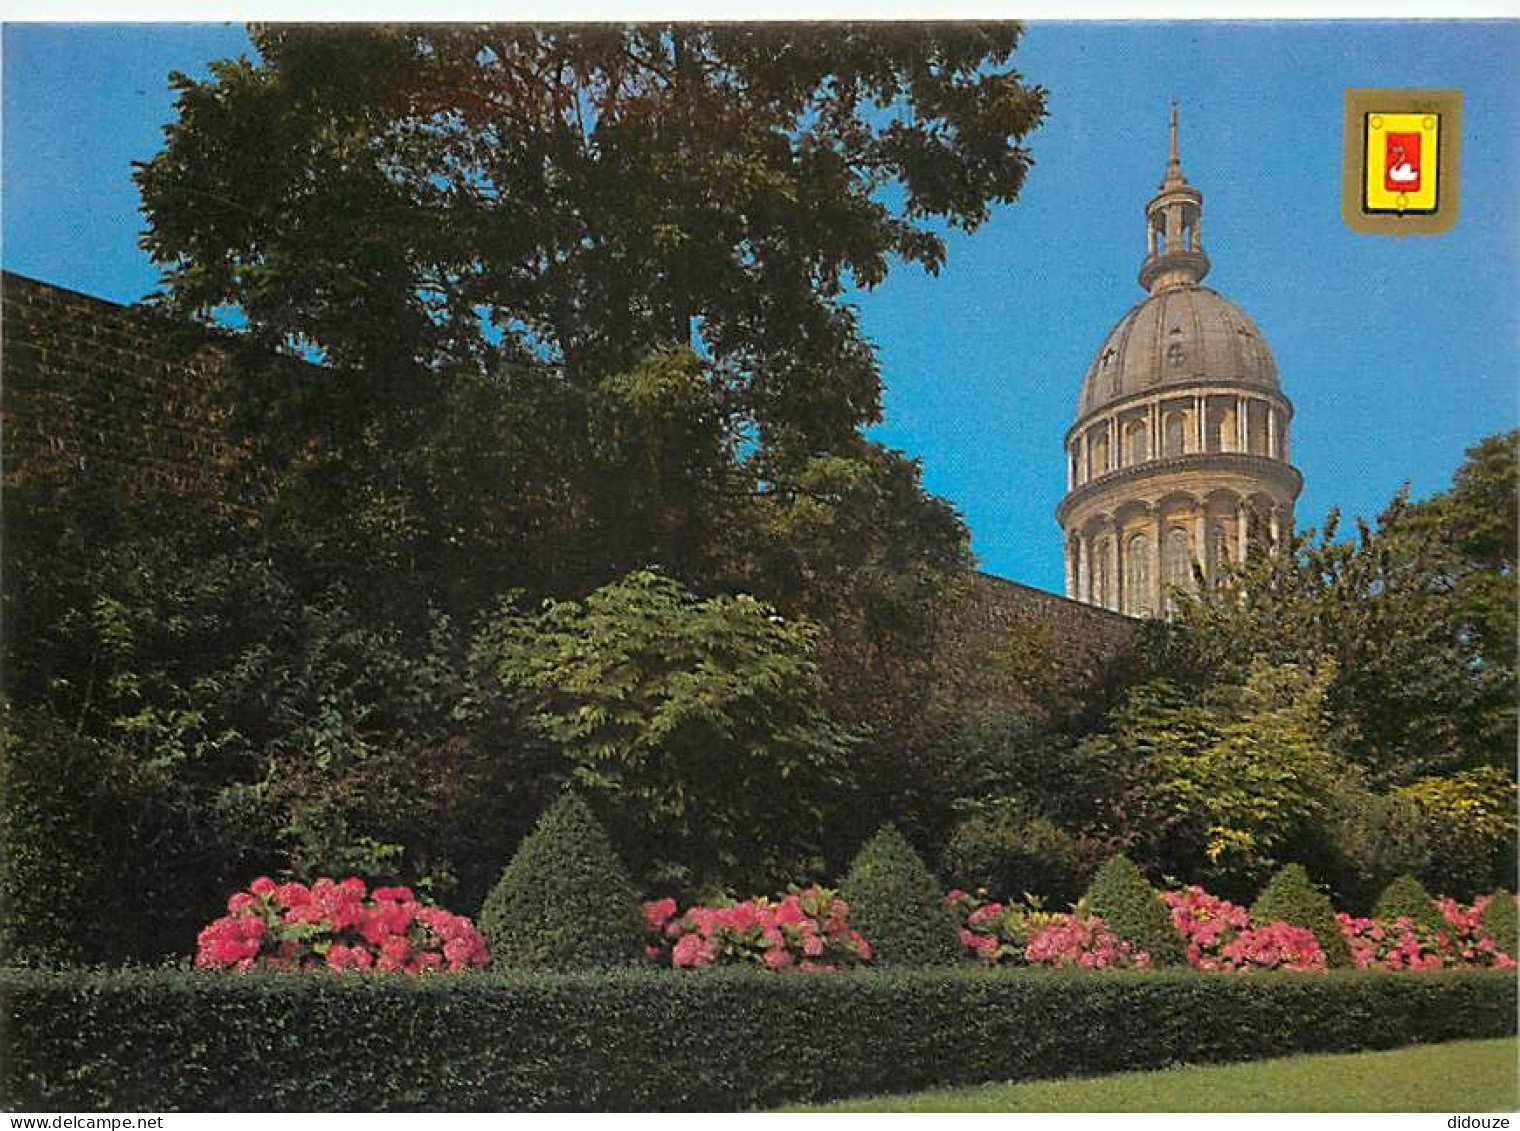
[1417,615]
[697,725]
[1218,786]
[1407,898]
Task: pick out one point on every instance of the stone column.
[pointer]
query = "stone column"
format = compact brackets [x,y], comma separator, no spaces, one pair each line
[1071,567]
[1113,444]
[1240,532]
[1242,425]
[1158,564]
[1272,432]
[1155,450]
[1201,422]
[1120,555]
[1084,568]
[1201,542]
[1275,519]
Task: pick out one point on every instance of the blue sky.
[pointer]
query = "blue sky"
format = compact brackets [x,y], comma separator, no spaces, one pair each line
[1397,354]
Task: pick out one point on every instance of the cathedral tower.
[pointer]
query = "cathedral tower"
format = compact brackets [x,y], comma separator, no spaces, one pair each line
[1178,459]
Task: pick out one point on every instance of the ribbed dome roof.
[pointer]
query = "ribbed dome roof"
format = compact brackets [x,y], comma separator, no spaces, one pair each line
[1178,336]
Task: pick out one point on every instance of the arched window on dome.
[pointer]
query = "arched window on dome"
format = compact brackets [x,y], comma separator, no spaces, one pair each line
[1139,443]
[1101,581]
[1099,455]
[1137,576]
[1177,564]
[1173,443]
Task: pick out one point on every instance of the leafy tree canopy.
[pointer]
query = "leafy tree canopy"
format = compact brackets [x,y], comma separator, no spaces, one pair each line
[1417,616]
[407,198]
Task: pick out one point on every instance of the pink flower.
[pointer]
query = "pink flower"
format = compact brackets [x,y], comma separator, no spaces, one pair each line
[262,886]
[777,958]
[658,912]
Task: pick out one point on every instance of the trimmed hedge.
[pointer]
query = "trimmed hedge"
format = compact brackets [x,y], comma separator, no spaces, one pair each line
[1406,897]
[1291,897]
[898,905]
[1501,921]
[565,901]
[1122,897]
[165,1040]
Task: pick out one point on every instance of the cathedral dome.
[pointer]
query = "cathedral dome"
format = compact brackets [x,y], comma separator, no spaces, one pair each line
[1182,335]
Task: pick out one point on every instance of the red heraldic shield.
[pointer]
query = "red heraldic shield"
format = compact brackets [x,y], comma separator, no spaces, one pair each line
[1401,162]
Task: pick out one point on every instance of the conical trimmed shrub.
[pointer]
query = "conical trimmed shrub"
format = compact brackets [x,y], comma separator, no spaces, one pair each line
[1290,897]
[1502,923]
[565,901]
[1406,897]
[898,905]
[1121,896]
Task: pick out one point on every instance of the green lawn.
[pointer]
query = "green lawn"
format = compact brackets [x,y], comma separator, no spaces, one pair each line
[1461,1076]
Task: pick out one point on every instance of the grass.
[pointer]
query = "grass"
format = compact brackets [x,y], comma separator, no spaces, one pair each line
[1460,1076]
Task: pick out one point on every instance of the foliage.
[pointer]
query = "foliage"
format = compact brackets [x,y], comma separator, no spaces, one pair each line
[1222,784]
[1291,898]
[431,197]
[1133,910]
[1407,898]
[898,905]
[998,846]
[1370,838]
[337,926]
[169,1040]
[564,901]
[1417,616]
[808,930]
[692,723]
[1471,815]
[1501,920]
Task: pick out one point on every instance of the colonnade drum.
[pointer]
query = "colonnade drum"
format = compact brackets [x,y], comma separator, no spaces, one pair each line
[1178,461]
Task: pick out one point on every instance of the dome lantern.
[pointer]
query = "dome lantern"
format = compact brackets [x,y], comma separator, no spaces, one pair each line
[1174,254]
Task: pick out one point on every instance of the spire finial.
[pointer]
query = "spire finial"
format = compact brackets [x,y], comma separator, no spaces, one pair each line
[1173,162]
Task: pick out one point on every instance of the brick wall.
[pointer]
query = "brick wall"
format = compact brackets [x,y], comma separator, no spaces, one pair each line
[93,389]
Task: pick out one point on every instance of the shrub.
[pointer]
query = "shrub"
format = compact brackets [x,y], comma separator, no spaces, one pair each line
[1500,921]
[1406,898]
[1398,944]
[1121,897]
[334,925]
[1001,848]
[898,905]
[1014,934]
[807,929]
[635,1040]
[564,901]
[1466,938]
[1291,898]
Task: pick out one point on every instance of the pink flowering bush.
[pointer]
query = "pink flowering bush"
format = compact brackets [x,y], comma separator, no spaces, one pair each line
[1217,935]
[1398,944]
[337,926]
[807,929]
[1402,944]
[997,933]
[1467,943]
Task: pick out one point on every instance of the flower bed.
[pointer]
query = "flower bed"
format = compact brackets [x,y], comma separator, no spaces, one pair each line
[807,929]
[1219,935]
[1000,934]
[337,925]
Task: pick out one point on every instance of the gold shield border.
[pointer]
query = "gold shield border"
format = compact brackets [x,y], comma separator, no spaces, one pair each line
[1376,100]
